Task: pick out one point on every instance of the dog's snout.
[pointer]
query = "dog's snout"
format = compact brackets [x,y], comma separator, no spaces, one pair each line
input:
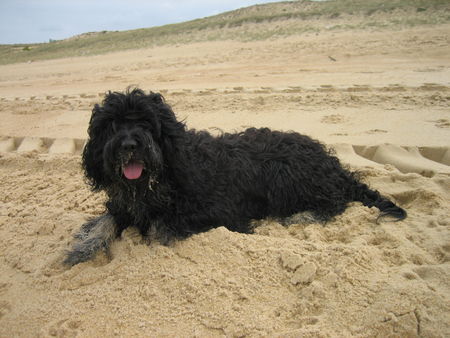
[129,144]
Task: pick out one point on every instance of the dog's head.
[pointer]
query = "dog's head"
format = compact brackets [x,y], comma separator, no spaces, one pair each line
[130,135]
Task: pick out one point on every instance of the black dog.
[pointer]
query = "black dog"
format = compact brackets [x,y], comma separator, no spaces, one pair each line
[172,182]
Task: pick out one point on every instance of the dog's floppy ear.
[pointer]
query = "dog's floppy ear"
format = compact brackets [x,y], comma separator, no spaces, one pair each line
[92,159]
[170,129]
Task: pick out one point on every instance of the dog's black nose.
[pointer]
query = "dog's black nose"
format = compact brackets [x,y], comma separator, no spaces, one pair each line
[129,144]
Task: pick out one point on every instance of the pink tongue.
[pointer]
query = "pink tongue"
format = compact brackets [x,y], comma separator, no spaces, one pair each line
[133,170]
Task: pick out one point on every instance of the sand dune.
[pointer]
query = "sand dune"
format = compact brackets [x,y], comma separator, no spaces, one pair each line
[383,107]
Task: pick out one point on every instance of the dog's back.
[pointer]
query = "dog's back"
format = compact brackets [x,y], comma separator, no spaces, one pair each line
[233,178]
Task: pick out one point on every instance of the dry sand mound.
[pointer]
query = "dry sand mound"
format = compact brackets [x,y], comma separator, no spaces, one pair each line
[351,277]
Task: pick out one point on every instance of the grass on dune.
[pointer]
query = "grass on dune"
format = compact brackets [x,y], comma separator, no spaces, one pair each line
[247,24]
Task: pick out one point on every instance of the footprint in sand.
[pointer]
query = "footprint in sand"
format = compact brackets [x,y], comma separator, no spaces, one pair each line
[333,119]
[63,328]
[376,131]
[442,123]
[5,307]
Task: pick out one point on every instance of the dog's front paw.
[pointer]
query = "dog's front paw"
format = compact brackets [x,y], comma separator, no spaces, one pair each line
[93,236]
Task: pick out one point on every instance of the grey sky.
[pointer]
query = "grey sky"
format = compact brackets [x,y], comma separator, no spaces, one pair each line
[28,21]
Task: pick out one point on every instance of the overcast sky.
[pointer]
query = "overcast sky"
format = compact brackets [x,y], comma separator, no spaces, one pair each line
[28,21]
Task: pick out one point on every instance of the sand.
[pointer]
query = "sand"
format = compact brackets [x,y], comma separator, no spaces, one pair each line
[383,105]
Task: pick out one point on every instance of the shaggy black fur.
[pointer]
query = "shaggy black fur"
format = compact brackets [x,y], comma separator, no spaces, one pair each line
[181,182]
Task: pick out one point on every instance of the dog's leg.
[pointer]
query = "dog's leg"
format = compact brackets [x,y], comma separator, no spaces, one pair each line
[94,235]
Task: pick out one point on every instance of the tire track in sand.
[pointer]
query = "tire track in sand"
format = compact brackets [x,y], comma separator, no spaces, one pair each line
[42,145]
[426,161]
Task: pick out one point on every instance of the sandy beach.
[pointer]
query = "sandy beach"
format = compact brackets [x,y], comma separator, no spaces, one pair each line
[379,98]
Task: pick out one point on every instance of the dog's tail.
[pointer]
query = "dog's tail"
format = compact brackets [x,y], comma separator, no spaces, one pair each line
[372,198]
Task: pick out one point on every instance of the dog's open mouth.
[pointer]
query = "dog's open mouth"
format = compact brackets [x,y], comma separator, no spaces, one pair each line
[133,169]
